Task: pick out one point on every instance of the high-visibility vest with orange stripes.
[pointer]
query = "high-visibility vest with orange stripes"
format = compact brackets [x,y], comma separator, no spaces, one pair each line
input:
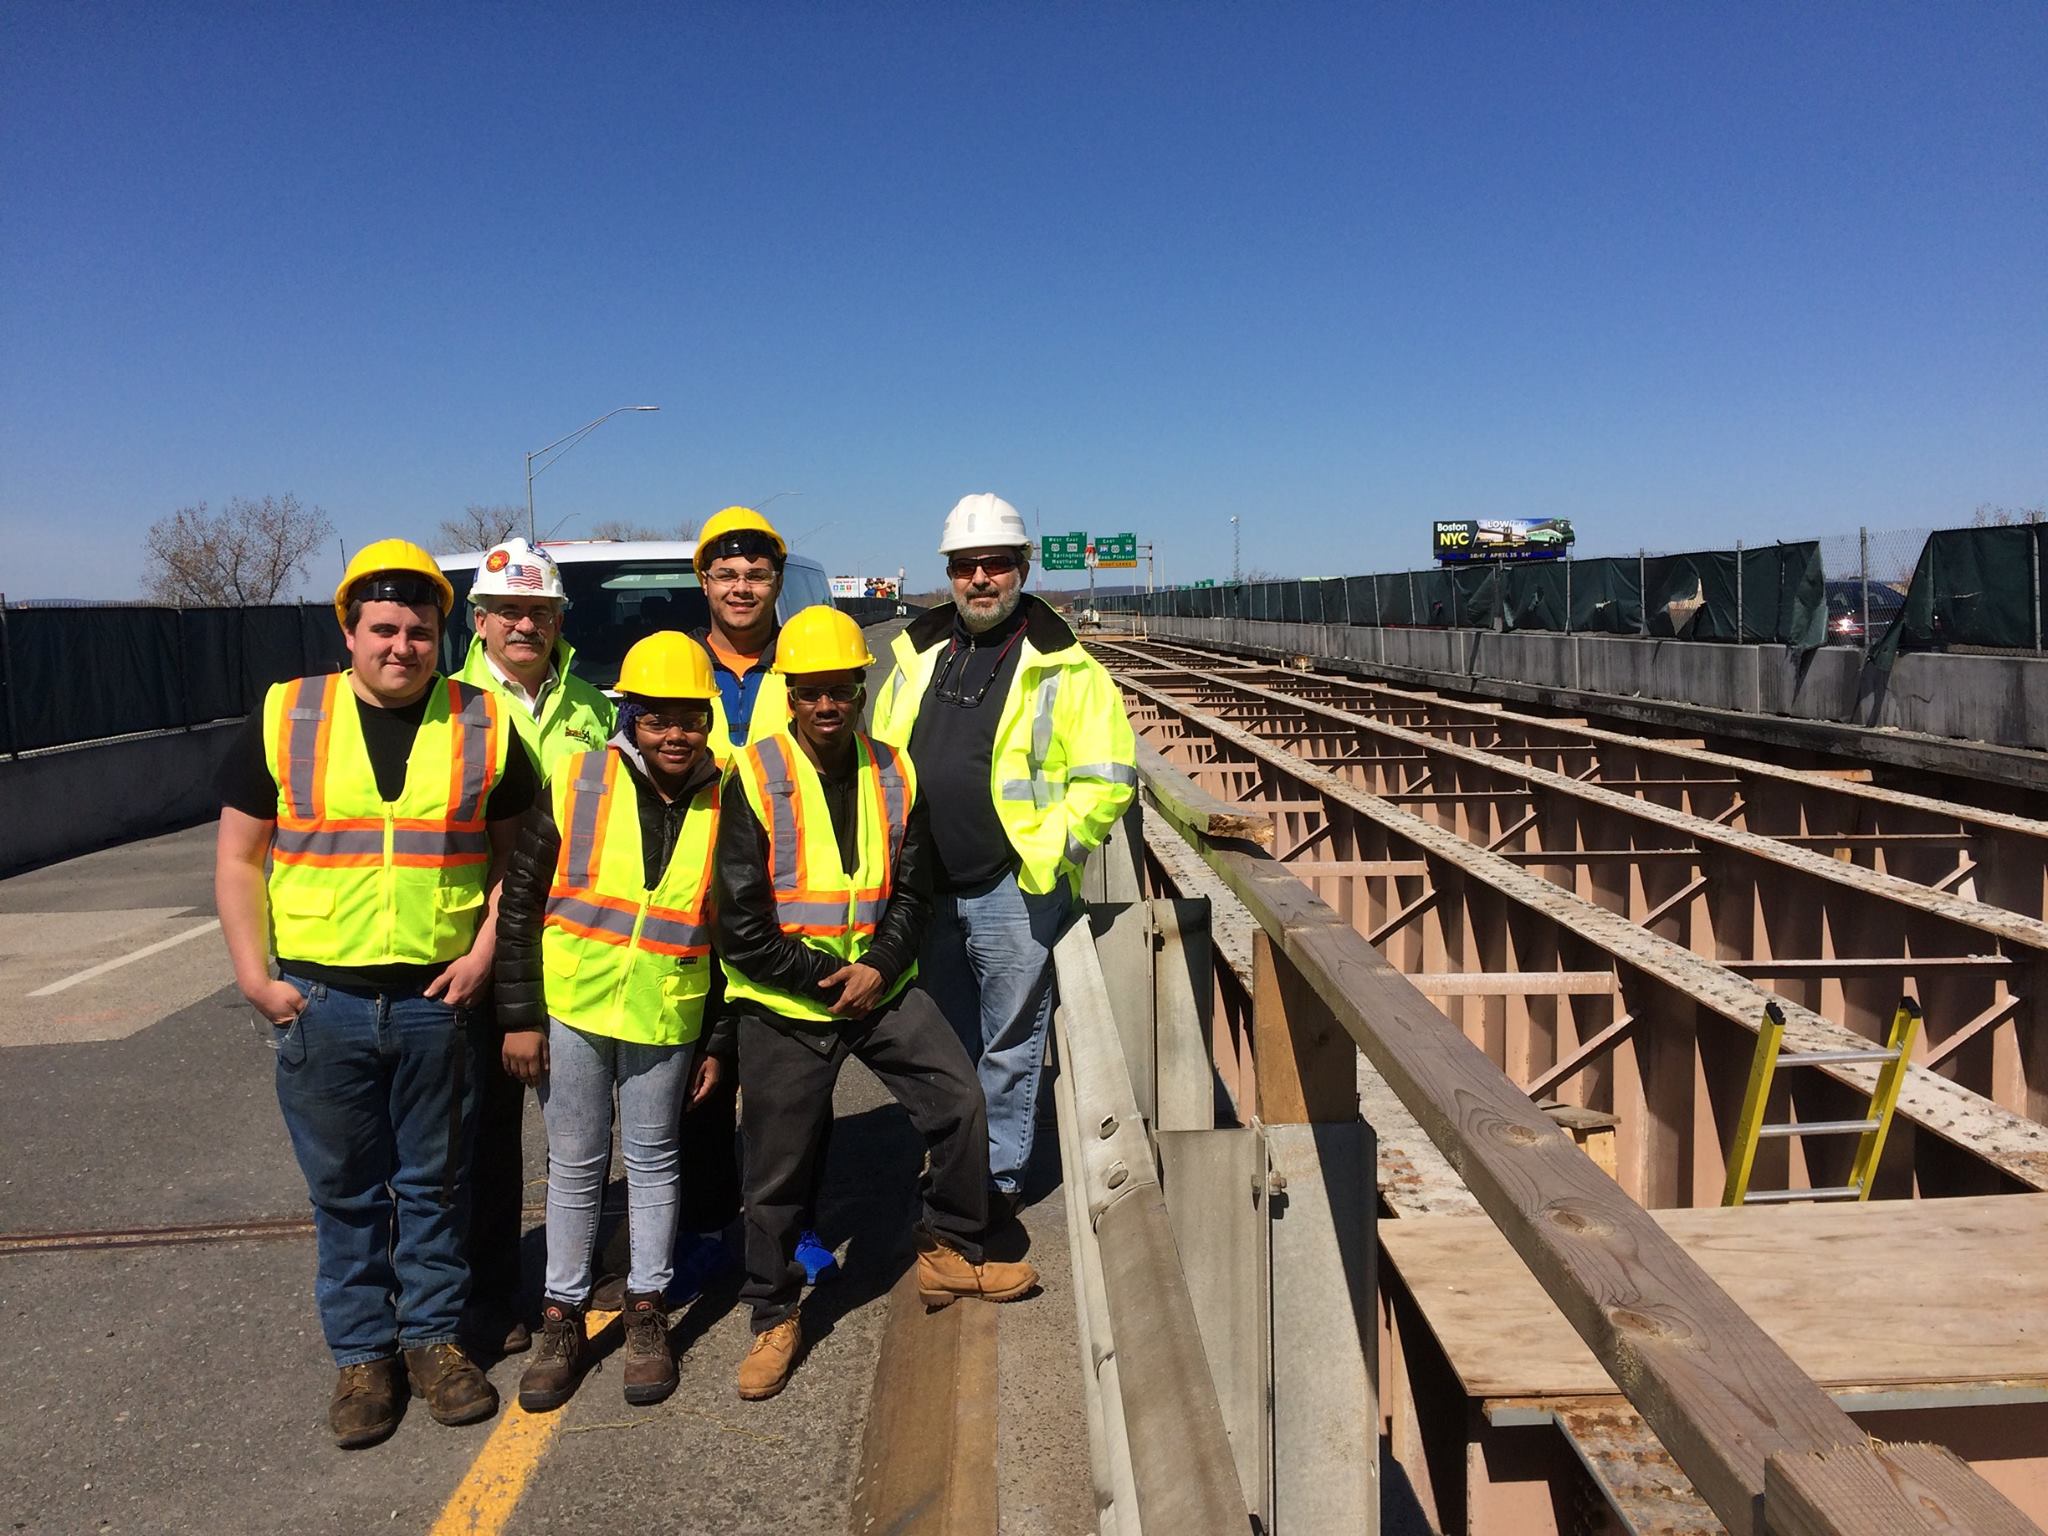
[815,899]
[358,880]
[618,959]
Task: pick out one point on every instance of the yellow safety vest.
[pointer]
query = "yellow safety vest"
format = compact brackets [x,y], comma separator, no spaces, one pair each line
[356,880]
[1065,763]
[620,959]
[770,717]
[577,717]
[815,899]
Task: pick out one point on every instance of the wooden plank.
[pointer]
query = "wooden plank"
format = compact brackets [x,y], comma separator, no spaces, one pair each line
[1195,807]
[1884,1490]
[928,1453]
[1302,1059]
[1513,983]
[1858,1295]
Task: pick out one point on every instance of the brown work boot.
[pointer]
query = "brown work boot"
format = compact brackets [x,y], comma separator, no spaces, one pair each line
[944,1275]
[766,1369]
[366,1404]
[455,1390]
[650,1373]
[553,1374]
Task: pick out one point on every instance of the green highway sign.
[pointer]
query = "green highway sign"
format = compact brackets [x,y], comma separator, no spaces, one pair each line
[1063,551]
[1205,583]
[1116,549]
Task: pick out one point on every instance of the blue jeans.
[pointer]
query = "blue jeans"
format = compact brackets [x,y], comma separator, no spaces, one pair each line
[987,962]
[576,1103]
[378,1095]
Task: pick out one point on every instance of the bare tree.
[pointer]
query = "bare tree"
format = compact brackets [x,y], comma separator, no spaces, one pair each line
[479,527]
[248,552]
[1989,516]
[628,531]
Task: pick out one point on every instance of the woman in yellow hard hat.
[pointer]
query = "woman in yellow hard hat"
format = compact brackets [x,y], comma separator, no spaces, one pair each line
[603,975]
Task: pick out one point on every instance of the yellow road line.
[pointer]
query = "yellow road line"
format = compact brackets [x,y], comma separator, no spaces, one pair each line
[489,1491]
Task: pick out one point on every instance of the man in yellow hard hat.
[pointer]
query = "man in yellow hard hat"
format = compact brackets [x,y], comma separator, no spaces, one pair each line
[604,971]
[823,893]
[1022,738]
[383,800]
[518,655]
[739,560]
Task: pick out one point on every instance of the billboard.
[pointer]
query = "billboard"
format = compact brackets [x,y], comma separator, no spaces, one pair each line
[865,586]
[1501,538]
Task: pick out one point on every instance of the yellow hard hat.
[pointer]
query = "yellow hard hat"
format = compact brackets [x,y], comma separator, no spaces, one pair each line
[396,558]
[821,639]
[743,532]
[666,665]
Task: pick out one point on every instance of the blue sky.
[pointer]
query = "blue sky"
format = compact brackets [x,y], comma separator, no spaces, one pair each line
[1686,274]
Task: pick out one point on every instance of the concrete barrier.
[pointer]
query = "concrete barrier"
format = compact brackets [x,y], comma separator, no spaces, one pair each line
[2002,700]
[71,800]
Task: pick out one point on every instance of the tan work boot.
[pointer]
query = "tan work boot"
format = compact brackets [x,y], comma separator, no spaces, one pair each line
[551,1377]
[650,1373]
[365,1405]
[455,1390]
[766,1369]
[945,1275]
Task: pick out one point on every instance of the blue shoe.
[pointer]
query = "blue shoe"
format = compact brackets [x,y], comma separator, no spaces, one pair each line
[819,1262]
[700,1259]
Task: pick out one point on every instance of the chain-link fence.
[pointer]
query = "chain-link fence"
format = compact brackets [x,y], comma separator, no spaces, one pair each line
[1881,590]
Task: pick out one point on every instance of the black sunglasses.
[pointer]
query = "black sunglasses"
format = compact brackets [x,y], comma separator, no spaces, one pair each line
[960,567]
[813,693]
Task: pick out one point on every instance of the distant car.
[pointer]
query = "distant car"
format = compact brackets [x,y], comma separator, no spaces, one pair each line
[620,592]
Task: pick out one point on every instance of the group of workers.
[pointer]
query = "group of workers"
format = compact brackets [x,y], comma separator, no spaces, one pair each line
[696,903]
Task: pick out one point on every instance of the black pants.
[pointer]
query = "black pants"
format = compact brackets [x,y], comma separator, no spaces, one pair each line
[707,1143]
[497,1182]
[786,1077]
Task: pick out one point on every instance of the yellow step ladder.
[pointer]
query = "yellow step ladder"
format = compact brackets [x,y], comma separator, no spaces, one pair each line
[1872,1128]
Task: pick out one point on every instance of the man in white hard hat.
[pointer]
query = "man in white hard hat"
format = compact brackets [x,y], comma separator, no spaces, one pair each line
[518,656]
[1028,760]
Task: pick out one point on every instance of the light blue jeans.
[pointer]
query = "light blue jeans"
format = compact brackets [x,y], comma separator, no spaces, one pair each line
[576,1104]
[987,962]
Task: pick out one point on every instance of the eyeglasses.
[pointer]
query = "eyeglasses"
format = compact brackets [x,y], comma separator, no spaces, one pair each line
[542,617]
[740,578]
[813,693]
[961,567]
[689,721]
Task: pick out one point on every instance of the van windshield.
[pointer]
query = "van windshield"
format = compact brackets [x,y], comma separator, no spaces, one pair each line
[613,603]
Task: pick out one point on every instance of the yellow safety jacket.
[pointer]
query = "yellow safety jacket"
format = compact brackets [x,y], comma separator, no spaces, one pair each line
[771,704]
[356,880]
[617,958]
[815,899]
[1065,763]
[575,717]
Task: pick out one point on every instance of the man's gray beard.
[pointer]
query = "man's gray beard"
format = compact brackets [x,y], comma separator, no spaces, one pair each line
[975,623]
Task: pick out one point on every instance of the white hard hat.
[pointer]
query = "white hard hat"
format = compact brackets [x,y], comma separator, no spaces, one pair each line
[983,521]
[516,568]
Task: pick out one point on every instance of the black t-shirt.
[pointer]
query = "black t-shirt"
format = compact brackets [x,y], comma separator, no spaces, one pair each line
[953,745]
[245,783]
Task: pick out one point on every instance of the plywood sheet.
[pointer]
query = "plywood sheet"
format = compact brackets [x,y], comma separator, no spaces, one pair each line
[1897,1291]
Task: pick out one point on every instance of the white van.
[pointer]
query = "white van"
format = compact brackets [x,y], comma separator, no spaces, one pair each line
[622,592]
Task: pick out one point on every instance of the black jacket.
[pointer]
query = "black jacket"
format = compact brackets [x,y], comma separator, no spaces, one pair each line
[750,938]
[520,996]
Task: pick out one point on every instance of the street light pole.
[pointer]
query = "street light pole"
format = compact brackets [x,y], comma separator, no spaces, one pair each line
[1236,571]
[565,444]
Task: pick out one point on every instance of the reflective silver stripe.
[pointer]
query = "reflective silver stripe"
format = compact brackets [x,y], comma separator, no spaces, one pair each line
[585,803]
[1041,726]
[293,842]
[588,914]
[895,797]
[1115,773]
[777,785]
[811,914]
[1077,851]
[302,741]
[669,930]
[472,710]
[434,844]
[868,913]
[888,694]
[1040,792]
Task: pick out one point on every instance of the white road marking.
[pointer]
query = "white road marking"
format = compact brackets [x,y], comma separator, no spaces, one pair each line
[115,964]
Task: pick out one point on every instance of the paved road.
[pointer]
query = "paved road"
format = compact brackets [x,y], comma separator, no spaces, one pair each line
[183,1387]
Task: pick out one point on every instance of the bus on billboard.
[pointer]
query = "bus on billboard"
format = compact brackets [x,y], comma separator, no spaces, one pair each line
[1502,538]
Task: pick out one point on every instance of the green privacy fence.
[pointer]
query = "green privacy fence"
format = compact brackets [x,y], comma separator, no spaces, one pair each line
[1975,587]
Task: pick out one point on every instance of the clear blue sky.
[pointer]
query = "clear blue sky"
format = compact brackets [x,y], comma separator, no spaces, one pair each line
[1686,274]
